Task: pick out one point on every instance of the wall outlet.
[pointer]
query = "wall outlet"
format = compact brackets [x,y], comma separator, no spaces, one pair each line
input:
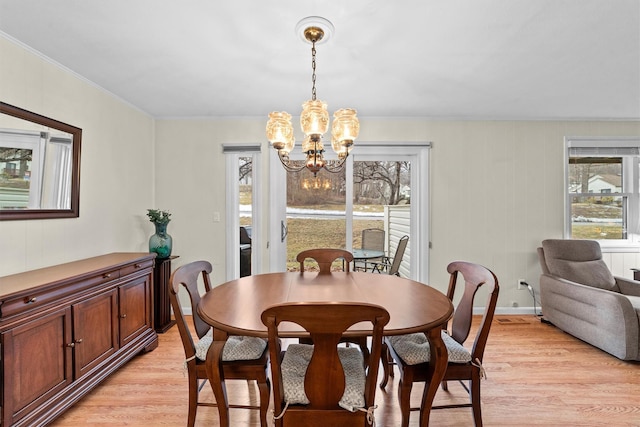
[522,285]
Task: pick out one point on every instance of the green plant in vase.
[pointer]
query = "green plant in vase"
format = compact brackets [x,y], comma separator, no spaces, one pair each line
[160,242]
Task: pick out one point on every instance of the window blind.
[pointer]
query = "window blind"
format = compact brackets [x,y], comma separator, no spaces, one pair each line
[241,148]
[604,151]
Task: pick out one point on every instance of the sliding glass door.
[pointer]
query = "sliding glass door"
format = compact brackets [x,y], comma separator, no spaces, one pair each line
[384,186]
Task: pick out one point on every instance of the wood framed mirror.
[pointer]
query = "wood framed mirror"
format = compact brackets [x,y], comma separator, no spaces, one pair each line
[39,166]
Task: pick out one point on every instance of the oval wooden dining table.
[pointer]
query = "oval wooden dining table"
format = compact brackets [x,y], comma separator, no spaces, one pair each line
[235,307]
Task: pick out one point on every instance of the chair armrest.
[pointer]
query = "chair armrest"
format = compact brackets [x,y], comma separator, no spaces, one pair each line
[586,296]
[628,286]
[602,318]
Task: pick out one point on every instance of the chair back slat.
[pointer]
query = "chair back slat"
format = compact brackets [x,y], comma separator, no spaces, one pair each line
[325,258]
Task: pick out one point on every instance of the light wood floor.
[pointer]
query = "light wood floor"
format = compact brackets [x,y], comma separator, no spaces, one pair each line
[537,376]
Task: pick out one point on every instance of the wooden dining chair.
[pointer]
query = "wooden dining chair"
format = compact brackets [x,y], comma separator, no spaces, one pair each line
[214,356]
[324,384]
[325,258]
[412,353]
[392,266]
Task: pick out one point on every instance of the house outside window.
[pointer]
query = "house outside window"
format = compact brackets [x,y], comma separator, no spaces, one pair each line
[602,181]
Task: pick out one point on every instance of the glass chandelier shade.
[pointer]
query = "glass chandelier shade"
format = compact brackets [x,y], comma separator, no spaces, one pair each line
[344,131]
[314,119]
[280,131]
[314,122]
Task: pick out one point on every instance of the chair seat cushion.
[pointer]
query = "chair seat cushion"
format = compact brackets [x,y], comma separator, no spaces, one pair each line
[414,348]
[235,348]
[294,366]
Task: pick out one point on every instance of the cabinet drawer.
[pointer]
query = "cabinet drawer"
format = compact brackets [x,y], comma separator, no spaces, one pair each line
[133,268]
[40,297]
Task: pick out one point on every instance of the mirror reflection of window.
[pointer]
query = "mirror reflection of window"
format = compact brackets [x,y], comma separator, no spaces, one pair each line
[35,170]
[56,182]
[19,169]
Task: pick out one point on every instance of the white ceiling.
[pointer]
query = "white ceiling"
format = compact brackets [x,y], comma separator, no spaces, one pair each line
[472,59]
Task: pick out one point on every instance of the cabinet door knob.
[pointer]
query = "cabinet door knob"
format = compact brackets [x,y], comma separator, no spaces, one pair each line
[79,341]
[106,275]
[122,316]
[31,300]
[71,344]
[137,265]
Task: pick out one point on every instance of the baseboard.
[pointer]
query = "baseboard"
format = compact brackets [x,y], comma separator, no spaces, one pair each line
[511,310]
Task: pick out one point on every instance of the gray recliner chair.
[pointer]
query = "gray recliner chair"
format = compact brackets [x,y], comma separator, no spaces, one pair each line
[580,296]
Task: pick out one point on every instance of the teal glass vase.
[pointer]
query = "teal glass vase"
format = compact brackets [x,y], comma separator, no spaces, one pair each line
[161,242]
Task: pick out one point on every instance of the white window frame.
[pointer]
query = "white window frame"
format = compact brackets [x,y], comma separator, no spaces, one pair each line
[608,147]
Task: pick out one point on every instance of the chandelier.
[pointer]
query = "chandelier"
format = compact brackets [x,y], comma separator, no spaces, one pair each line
[314,119]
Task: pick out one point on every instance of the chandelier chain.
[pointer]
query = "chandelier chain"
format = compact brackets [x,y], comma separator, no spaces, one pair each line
[313,67]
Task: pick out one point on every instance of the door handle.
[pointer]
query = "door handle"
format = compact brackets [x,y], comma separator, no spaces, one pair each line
[283,231]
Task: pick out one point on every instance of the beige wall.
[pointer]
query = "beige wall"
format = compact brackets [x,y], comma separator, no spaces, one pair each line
[496,186]
[117,172]
[497,191]
[191,183]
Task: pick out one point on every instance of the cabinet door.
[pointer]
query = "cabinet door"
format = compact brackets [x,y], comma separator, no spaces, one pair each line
[135,308]
[37,364]
[95,331]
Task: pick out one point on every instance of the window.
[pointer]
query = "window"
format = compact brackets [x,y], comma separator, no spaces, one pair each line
[602,182]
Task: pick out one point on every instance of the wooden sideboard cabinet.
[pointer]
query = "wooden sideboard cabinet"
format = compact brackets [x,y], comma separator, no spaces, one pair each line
[64,329]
